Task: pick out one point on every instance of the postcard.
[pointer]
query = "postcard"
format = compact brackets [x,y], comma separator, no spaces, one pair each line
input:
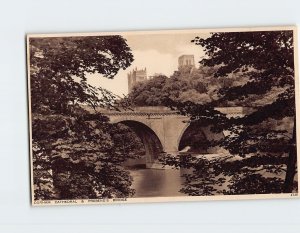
[163,116]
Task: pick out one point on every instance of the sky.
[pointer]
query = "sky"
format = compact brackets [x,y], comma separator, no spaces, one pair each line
[157,52]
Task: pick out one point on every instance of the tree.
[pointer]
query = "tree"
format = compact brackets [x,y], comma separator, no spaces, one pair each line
[181,86]
[262,143]
[76,151]
[149,92]
[56,63]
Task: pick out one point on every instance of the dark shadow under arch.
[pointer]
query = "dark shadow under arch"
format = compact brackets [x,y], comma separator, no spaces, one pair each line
[152,144]
[193,140]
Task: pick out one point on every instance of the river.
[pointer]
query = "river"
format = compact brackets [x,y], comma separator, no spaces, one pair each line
[156,182]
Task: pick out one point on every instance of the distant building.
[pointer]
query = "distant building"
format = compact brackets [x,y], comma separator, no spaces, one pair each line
[186,63]
[136,76]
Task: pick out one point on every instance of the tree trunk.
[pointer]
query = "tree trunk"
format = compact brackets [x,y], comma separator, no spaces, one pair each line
[291,164]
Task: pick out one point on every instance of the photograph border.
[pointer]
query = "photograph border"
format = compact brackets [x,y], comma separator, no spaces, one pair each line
[168,199]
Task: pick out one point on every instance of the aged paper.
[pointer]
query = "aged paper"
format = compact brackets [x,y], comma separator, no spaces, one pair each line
[160,116]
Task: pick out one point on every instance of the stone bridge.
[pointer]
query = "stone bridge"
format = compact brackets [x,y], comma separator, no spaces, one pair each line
[161,129]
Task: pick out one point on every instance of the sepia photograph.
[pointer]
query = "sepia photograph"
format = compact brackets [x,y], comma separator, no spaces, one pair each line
[161,116]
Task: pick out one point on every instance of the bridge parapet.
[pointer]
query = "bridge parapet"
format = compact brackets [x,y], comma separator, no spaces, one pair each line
[162,111]
[139,110]
[235,111]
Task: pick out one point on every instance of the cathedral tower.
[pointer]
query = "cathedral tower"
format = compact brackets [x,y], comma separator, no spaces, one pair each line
[186,63]
[136,76]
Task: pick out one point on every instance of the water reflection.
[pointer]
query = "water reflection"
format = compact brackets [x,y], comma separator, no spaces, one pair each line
[156,182]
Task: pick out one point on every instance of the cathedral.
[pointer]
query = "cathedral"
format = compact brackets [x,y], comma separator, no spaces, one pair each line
[186,63]
[136,76]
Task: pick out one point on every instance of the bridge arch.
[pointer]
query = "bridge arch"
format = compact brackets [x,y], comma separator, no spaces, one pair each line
[164,127]
[150,140]
[193,138]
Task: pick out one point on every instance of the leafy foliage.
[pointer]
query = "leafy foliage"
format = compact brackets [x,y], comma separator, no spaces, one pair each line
[56,62]
[198,86]
[77,153]
[262,141]
[149,93]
